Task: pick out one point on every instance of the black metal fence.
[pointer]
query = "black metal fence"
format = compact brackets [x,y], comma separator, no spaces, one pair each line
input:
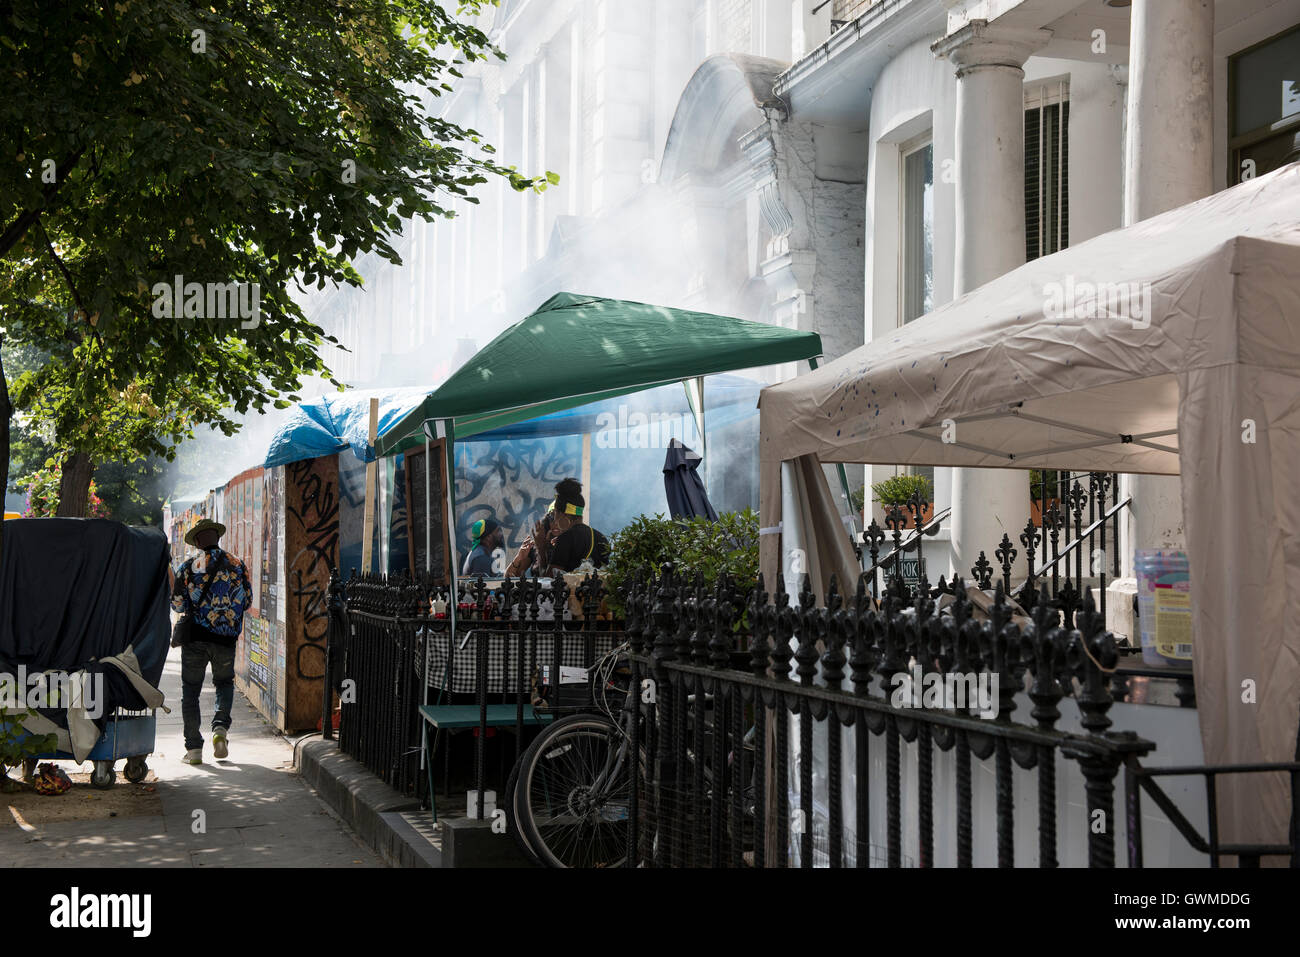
[1072,542]
[391,650]
[721,785]
[741,687]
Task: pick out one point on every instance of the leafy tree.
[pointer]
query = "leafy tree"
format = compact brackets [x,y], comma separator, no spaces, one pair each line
[264,143]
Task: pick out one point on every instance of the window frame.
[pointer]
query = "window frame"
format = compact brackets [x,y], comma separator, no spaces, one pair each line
[1040,95]
[907,149]
[1237,144]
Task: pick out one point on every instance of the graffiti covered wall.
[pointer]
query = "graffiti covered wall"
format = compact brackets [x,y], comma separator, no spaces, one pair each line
[311,521]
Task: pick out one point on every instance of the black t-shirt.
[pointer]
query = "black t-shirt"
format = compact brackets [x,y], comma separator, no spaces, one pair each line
[576,545]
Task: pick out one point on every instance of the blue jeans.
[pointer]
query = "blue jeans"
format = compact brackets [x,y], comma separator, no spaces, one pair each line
[195,656]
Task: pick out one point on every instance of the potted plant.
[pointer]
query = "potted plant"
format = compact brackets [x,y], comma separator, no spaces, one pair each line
[899,491]
[1043,493]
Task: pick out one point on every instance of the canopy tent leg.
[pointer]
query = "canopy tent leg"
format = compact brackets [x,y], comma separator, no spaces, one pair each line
[586,473]
[369,518]
[442,429]
[852,519]
[695,399]
[428,565]
[428,528]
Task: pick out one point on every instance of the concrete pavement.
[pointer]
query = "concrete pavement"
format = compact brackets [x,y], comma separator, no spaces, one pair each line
[256,809]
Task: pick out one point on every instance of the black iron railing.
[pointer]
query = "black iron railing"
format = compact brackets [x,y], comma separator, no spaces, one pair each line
[1074,541]
[391,650]
[1072,544]
[721,785]
[741,687]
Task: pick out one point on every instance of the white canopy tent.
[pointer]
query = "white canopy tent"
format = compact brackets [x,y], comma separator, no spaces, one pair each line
[1169,347]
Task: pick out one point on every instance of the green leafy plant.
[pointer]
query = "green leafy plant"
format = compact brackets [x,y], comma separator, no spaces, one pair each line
[900,489]
[728,546]
[16,745]
[858,499]
[1036,489]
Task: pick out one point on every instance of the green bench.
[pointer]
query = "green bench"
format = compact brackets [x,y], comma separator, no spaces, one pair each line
[460,717]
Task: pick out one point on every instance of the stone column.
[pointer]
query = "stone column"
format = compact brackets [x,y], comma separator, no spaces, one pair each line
[990,241]
[1168,161]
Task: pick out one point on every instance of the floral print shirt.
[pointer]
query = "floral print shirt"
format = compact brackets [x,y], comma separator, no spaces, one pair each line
[229,597]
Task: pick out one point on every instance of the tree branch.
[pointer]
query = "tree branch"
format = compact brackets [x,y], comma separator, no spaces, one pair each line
[67,277]
[28,217]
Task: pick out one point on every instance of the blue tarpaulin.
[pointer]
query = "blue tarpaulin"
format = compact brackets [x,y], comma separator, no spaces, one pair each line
[339,420]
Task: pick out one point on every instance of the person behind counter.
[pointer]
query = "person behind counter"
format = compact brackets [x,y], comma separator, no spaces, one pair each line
[488,540]
[568,540]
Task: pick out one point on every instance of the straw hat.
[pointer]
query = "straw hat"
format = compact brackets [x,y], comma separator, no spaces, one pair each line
[202,525]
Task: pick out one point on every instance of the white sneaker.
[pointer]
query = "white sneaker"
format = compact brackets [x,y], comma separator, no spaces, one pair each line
[194,756]
[219,748]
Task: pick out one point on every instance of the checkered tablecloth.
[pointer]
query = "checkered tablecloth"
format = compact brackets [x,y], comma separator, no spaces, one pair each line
[503,657]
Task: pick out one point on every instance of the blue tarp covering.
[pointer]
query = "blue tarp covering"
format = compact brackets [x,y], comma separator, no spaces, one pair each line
[339,420]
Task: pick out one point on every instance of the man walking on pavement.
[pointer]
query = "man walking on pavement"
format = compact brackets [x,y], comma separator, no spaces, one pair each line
[214,588]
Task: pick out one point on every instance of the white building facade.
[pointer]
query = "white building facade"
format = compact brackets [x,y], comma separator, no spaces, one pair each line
[844,166]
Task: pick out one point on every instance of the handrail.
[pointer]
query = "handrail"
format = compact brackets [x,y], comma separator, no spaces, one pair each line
[1086,533]
[906,546]
[1139,778]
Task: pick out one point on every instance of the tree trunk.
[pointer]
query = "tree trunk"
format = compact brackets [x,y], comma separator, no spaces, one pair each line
[74,486]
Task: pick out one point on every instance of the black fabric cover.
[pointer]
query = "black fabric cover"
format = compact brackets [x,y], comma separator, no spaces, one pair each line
[73,590]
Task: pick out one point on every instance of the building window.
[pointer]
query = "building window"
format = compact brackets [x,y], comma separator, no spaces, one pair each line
[1264,106]
[917,260]
[1047,170]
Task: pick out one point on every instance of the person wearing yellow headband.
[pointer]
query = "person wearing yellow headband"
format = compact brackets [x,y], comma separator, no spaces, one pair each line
[577,541]
[567,541]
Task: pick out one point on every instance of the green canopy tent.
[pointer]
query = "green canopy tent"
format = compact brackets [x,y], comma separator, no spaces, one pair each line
[577,349]
[574,350]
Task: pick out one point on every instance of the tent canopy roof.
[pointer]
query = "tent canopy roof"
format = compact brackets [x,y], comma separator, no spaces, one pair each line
[1070,361]
[576,349]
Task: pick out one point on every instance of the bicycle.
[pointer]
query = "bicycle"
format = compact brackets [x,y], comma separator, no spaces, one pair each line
[569,797]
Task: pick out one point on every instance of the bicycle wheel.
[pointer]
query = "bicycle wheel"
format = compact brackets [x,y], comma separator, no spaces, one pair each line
[572,796]
[513,811]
